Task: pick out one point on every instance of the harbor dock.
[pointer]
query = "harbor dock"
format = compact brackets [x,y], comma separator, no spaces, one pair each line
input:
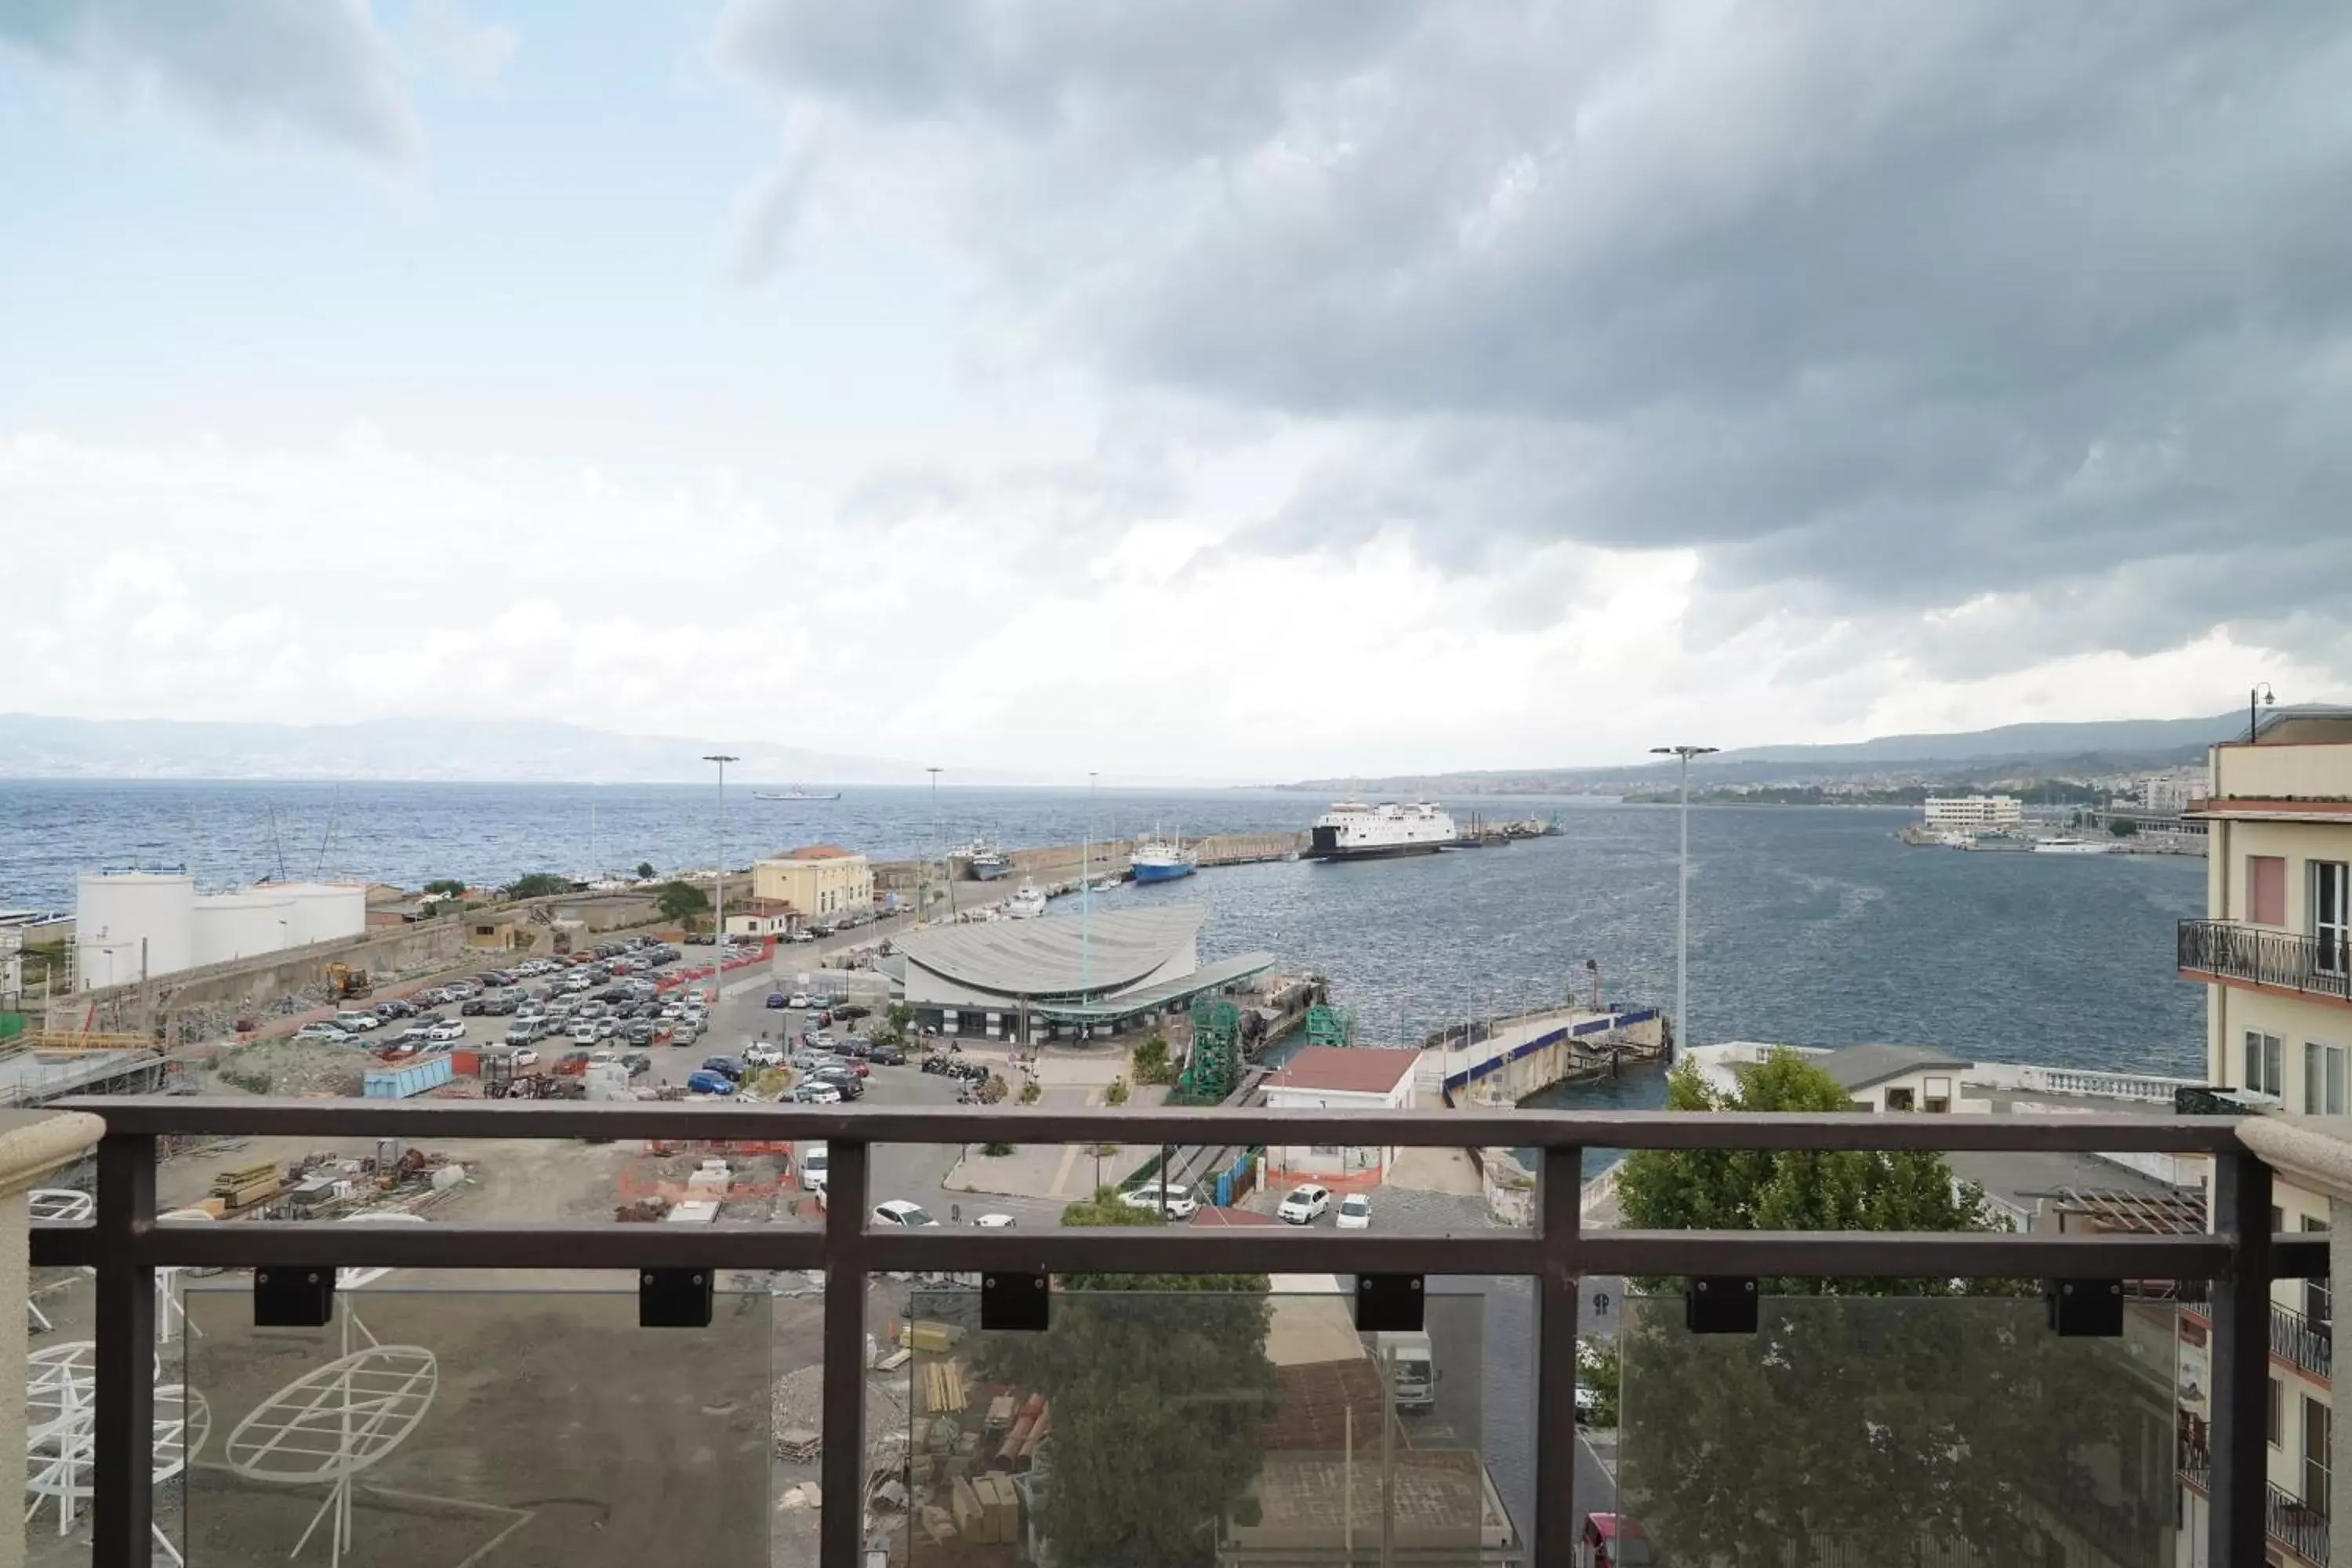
[1504,1062]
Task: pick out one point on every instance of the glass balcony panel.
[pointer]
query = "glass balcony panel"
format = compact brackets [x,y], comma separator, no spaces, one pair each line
[1884,1430]
[428,1425]
[1256,1426]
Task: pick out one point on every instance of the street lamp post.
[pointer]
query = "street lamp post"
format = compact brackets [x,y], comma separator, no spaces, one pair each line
[1682,911]
[719,883]
[2262,689]
[939,844]
[1086,901]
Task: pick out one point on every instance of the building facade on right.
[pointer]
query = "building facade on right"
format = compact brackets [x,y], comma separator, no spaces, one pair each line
[2274,955]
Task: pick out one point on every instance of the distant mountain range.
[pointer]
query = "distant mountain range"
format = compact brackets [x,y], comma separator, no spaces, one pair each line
[2093,747]
[478,750]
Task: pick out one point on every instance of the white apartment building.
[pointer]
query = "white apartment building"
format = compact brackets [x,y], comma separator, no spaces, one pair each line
[1975,811]
[2171,790]
[2274,955]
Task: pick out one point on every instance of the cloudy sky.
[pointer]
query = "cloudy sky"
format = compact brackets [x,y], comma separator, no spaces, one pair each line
[1236,389]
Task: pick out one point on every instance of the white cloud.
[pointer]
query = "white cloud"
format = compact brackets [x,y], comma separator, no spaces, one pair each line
[473,50]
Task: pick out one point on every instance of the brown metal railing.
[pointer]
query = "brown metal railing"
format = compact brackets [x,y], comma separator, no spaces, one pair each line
[125,1245]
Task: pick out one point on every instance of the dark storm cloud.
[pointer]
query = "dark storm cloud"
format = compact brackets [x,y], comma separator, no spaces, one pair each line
[318,68]
[1886,308]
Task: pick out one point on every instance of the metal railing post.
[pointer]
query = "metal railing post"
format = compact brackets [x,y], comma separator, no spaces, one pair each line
[1561,1196]
[840,1530]
[122,1504]
[2240,1499]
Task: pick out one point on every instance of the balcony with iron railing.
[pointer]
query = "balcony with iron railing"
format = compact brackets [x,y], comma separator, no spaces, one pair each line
[548,1413]
[2302,1343]
[2296,1525]
[2234,952]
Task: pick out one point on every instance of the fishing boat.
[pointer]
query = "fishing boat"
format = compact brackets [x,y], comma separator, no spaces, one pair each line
[986,860]
[794,792]
[1159,860]
[1028,903]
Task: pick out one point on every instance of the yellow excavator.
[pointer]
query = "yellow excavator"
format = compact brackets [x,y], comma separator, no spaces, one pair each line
[347,983]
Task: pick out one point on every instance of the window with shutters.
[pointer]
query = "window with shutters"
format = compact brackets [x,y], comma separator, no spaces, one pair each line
[2267,889]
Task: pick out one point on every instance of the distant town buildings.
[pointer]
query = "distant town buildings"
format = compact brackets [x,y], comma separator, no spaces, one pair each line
[1969,811]
[817,879]
[2170,792]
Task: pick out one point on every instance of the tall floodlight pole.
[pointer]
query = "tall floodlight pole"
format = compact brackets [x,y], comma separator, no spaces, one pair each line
[939,842]
[718,882]
[1682,913]
[1086,899]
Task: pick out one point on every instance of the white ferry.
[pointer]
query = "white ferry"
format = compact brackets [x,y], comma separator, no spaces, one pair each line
[2067,845]
[1356,830]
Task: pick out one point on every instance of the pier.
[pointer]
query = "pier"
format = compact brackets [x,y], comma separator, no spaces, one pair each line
[1505,1062]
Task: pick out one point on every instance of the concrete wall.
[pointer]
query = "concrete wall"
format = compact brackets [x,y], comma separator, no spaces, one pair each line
[2275,772]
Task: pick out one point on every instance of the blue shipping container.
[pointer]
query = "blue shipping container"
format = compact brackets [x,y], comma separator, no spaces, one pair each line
[415,1078]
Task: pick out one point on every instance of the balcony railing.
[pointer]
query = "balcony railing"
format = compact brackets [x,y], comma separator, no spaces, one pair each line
[126,1246]
[2228,949]
[2299,1341]
[2296,1525]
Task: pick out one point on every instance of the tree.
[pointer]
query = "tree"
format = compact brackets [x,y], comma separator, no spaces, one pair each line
[2123,828]
[1159,1386]
[1859,1419]
[681,901]
[1153,1064]
[539,885]
[448,887]
[645,870]
[1117,1093]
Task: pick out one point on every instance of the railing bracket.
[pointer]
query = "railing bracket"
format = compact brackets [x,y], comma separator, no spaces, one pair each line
[293,1298]
[674,1298]
[1016,1304]
[1719,1304]
[1388,1303]
[2086,1308]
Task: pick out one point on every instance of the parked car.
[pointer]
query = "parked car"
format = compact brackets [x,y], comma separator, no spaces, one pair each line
[763,1054]
[732,1069]
[524,1058]
[1305,1205]
[776,1001]
[1175,1200]
[813,1162]
[473,1006]
[324,1029]
[1355,1212]
[583,1033]
[354,1021]
[847,1082]
[449,1030]
[850,1010]
[709,1083]
[886,1056]
[815,1091]
[798,1001]
[638,1032]
[607,1027]
[905,1215]
[995,1222]
[685,1033]
[638,1063]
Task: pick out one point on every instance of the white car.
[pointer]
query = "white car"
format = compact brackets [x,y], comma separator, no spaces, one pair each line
[321,1030]
[798,1000]
[812,1167]
[1304,1206]
[994,1222]
[1355,1212]
[358,1022]
[525,1058]
[898,1212]
[583,1034]
[1178,1201]
[672,1011]
[452,1030]
[763,1054]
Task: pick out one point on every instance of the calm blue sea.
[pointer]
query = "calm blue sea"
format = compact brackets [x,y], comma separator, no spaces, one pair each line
[1808,925]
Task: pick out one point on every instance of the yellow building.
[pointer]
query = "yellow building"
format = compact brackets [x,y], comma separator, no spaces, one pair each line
[2274,955]
[819,881]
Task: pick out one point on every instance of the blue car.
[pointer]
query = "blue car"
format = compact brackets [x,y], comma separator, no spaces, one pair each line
[776,1000]
[711,1083]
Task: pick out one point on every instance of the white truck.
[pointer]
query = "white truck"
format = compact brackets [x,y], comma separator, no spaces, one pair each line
[1412,1370]
[813,1165]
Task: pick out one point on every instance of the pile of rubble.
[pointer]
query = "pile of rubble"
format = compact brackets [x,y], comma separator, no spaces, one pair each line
[303,1067]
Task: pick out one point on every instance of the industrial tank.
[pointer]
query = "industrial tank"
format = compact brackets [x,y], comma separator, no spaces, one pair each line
[132,907]
[102,961]
[323,911]
[240,925]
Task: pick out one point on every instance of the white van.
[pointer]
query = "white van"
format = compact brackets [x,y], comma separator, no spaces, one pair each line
[812,1167]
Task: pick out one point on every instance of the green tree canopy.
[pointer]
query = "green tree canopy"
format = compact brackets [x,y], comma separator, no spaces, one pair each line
[447,887]
[645,870]
[1159,1385]
[1766,1189]
[1860,1419]
[681,901]
[539,885]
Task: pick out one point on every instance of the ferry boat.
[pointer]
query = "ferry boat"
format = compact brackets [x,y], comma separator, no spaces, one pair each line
[1159,860]
[1356,830]
[793,792]
[2068,845]
[986,860]
[1028,903]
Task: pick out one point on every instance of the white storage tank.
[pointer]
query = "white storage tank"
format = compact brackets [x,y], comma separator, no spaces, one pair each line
[157,908]
[323,911]
[240,925]
[102,961]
